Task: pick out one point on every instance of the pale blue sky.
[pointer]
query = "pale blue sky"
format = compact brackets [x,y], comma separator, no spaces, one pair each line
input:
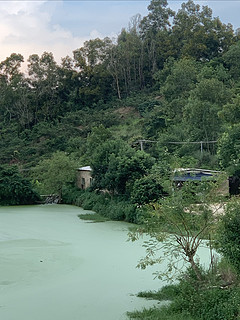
[61,26]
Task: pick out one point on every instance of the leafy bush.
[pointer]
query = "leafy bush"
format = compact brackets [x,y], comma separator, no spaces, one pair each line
[229,235]
[209,303]
[146,189]
[114,208]
[14,189]
[193,299]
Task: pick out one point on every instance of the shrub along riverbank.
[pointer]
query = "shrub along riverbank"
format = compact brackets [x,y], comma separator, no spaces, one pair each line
[112,208]
[191,300]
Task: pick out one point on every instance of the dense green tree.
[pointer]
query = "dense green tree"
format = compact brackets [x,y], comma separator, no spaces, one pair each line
[146,189]
[44,80]
[231,58]
[98,136]
[14,105]
[116,166]
[230,112]
[158,17]
[126,167]
[181,80]
[154,123]
[14,188]
[201,110]
[178,84]
[188,213]
[229,150]
[96,80]
[100,161]
[229,236]
[54,173]
[197,34]
[10,68]
[155,31]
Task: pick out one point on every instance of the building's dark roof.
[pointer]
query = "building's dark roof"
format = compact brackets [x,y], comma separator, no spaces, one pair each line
[194,174]
[195,177]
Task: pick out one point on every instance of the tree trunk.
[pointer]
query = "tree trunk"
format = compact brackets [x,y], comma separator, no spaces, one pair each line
[194,267]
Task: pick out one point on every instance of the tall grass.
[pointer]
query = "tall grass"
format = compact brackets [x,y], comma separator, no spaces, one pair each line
[114,208]
[194,300]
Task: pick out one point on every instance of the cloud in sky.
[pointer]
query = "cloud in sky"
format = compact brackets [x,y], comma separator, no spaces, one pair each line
[26,28]
[62,26]
[29,27]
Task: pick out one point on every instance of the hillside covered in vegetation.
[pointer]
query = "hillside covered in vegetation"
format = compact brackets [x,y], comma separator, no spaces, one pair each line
[164,94]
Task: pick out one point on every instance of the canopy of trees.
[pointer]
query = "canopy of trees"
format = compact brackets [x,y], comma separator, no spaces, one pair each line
[170,77]
[14,188]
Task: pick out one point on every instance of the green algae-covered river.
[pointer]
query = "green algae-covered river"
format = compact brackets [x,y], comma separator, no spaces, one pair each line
[54,266]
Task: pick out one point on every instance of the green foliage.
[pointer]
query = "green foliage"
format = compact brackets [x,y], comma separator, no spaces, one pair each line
[204,103]
[116,166]
[15,189]
[208,303]
[181,80]
[228,150]
[113,208]
[177,226]
[157,313]
[168,77]
[231,58]
[166,293]
[52,174]
[205,300]
[202,36]
[94,217]
[229,235]
[146,189]
[231,111]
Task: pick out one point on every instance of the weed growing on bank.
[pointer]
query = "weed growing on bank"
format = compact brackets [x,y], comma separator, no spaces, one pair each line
[93,217]
[112,208]
[211,299]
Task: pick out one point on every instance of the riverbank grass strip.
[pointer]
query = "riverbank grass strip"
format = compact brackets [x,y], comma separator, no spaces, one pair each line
[155,313]
[93,217]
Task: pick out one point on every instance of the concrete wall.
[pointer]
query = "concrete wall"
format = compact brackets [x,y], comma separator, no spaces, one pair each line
[84,179]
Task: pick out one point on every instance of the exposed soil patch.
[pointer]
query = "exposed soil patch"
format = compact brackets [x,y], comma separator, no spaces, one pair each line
[125,112]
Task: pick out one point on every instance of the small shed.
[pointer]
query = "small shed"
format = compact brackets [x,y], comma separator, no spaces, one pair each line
[84,177]
[191,174]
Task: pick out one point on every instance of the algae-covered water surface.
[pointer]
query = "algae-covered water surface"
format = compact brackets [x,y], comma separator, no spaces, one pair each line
[53,266]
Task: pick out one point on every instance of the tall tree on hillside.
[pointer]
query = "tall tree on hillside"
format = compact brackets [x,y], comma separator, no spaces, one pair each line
[96,80]
[45,82]
[231,59]
[176,81]
[130,60]
[155,28]
[197,34]
[157,19]
[201,112]
[14,105]
[70,83]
